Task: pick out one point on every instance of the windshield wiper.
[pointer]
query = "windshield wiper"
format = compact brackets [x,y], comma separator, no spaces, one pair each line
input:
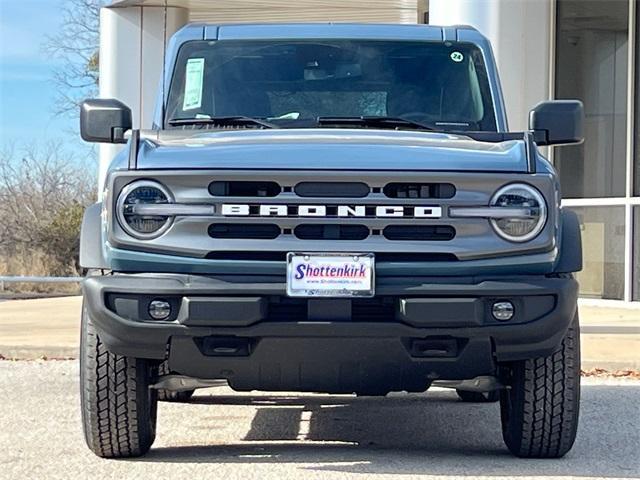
[376,121]
[237,121]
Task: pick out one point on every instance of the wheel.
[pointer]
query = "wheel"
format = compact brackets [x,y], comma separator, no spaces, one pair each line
[479,397]
[118,407]
[168,395]
[540,409]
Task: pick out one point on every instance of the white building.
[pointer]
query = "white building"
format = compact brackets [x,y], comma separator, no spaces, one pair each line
[544,48]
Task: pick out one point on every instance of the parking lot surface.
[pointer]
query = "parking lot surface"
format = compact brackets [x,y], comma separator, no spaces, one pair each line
[222,434]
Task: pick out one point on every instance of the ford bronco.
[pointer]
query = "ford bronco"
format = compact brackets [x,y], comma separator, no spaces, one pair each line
[332,208]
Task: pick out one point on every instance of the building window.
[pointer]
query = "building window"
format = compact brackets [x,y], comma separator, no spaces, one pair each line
[602,229]
[591,65]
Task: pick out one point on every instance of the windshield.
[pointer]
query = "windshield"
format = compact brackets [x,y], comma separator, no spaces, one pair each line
[294,82]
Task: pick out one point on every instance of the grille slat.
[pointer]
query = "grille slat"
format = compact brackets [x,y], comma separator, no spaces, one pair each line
[281,256]
[266,231]
[244,189]
[419,232]
[331,232]
[332,189]
[419,190]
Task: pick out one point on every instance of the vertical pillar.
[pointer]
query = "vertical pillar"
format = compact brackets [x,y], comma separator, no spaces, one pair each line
[132,48]
[520,32]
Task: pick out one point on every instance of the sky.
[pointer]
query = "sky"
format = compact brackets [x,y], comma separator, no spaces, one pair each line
[27,93]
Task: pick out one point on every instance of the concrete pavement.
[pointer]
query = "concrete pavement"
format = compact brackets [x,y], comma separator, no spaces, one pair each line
[50,327]
[220,435]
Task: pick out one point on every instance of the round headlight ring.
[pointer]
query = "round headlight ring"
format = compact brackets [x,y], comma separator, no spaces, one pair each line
[120,205]
[542,205]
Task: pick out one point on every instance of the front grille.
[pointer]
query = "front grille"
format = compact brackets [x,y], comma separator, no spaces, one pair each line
[392,216]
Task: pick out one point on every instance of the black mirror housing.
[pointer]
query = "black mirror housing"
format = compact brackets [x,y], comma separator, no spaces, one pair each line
[558,122]
[104,120]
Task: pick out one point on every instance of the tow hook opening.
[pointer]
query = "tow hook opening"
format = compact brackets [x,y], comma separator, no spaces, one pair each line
[435,347]
[219,346]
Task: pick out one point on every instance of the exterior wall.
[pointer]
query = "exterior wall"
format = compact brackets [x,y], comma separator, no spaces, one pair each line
[520,33]
[132,44]
[257,11]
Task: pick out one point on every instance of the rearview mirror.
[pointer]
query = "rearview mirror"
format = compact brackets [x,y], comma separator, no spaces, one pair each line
[104,120]
[558,122]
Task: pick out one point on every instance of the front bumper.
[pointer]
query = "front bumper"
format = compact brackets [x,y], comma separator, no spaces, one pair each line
[246,330]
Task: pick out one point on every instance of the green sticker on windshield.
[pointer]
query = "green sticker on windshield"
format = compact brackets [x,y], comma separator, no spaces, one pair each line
[194,77]
[456,57]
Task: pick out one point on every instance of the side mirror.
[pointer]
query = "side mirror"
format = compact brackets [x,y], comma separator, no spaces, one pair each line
[558,122]
[104,120]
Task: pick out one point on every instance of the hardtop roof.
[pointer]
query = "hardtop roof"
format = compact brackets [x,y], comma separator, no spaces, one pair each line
[238,31]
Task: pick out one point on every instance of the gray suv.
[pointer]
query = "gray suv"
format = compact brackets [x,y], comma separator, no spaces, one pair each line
[330,208]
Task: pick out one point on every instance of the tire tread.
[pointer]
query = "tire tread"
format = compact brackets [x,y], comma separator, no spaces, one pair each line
[118,415]
[540,414]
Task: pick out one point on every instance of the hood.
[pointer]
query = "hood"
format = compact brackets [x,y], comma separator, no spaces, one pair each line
[327,149]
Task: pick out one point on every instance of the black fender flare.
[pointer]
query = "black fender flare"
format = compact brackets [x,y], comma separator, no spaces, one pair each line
[570,255]
[91,238]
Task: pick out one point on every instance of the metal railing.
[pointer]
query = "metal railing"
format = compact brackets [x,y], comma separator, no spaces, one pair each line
[32,279]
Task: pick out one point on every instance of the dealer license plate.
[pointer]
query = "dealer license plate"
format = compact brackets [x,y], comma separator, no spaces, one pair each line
[330,274]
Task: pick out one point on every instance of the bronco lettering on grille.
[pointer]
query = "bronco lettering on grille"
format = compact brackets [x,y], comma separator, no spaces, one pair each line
[256,210]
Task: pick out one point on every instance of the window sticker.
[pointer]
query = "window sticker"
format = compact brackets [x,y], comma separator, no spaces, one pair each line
[456,57]
[194,78]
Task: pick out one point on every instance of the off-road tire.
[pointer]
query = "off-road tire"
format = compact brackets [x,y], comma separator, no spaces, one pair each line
[478,397]
[540,409]
[168,395]
[118,408]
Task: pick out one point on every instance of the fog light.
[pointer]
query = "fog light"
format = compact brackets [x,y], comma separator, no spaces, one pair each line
[502,311]
[159,309]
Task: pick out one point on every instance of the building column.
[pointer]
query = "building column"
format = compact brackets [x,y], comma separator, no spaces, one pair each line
[520,32]
[132,48]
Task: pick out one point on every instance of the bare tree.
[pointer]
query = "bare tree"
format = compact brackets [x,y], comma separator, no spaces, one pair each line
[77,46]
[43,194]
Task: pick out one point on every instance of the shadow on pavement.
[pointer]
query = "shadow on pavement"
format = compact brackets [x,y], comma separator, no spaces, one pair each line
[417,434]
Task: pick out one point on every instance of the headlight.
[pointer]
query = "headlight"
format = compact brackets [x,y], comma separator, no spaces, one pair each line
[530,219]
[143,226]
